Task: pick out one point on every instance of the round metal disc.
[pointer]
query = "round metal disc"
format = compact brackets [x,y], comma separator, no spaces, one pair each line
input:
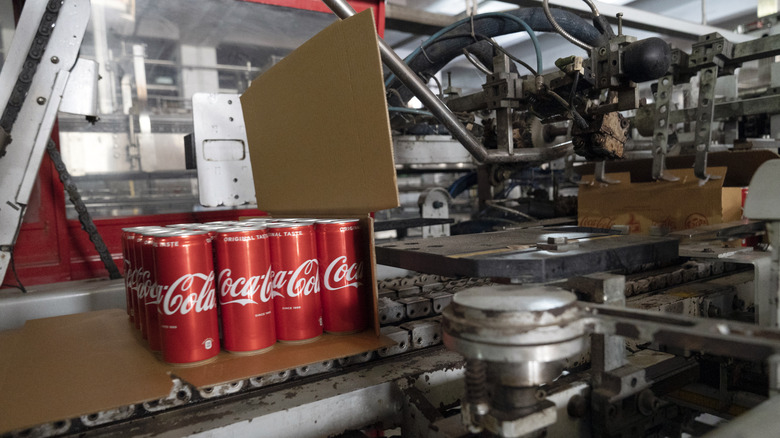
[511,298]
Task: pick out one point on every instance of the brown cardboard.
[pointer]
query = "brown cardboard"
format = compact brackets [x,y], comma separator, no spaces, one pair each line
[674,205]
[317,127]
[67,366]
[641,203]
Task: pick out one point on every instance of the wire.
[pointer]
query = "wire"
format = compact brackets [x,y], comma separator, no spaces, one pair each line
[592,7]
[492,204]
[400,109]
[438,84]
[435,37]
[574,84]
[475,62]
[560,30]
[575,115]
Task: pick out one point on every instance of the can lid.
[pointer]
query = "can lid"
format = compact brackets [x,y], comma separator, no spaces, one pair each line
[256,219]
[238,229]
[175,232]
[337,221]
[287,225]
[212,227]
[303,220]
[220,223]
[141,228]
[190,225]
[154,232]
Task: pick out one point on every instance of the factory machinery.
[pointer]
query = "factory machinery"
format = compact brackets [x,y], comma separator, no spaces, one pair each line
[539,329]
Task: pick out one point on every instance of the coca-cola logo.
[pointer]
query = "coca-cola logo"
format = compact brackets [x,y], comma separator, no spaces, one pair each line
[242,290]
[303,280]
[340,275]
[189,292]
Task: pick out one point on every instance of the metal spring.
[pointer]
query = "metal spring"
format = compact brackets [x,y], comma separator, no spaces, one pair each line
[476,380]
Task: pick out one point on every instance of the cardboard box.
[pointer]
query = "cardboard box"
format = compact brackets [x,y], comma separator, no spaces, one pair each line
[320,145]
[641,203]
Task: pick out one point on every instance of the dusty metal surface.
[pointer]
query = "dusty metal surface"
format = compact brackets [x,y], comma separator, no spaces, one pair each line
[514,254]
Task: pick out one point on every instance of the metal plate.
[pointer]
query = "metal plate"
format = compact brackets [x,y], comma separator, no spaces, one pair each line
[221,151]
[514,254]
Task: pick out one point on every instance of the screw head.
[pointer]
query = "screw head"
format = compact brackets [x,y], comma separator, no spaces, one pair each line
[41,100]
[55,59]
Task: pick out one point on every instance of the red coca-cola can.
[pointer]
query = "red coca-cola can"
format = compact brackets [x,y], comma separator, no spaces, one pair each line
[128,236]
[132,269]
[149,288]
[144,280]
[244,282]
[187,308]
[297,307]
[343,290]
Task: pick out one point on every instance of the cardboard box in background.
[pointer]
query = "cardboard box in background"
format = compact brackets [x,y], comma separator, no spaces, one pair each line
[320,145]
[641,203]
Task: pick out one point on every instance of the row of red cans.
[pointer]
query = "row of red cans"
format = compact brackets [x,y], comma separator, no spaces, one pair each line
[282,280]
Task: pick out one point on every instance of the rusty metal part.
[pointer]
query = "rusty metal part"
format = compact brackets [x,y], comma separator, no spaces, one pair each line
[605,137]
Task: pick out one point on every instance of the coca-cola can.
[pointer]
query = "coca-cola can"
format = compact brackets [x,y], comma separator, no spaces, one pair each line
[144,279]
[128,236]
[187,308]
[342,287]
[132,268]
[149,289]
[297,307]
[244,281]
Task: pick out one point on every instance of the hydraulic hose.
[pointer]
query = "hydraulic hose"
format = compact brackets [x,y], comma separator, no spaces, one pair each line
[448,44]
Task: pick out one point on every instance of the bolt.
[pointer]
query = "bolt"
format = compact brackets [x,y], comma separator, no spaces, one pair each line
[620,23]
[603,51]
[557,240]
[41,100]
[55,60]
[438,204]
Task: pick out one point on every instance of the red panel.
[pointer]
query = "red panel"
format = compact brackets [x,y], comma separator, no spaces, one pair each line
[319,6]
[85,262]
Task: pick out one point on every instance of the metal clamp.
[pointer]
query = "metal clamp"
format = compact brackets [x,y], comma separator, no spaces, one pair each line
[661,128]
[704,116]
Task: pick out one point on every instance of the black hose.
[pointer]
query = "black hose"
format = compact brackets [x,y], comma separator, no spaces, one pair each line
[439,53]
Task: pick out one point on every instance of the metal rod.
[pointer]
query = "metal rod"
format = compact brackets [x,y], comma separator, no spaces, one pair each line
[343,10]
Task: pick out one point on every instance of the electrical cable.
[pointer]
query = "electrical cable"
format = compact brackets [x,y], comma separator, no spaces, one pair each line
[475,62]
[438,84]
[560,30]
[437,35]
[574,85]
[575,115]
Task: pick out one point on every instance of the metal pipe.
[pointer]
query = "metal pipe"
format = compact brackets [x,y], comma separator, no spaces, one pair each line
[343,10]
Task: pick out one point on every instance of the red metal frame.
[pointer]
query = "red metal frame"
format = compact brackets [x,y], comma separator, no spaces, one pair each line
[319,6]
[51,248]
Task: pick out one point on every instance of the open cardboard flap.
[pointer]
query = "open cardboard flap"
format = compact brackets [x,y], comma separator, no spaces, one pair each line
[318,130]
[319,140]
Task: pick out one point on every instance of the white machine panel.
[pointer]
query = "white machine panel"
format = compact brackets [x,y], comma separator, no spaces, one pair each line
[221,151]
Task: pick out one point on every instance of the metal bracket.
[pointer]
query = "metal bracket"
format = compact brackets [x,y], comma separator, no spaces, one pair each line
[661,129]
[221,151]
[704,117]
[600,174]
